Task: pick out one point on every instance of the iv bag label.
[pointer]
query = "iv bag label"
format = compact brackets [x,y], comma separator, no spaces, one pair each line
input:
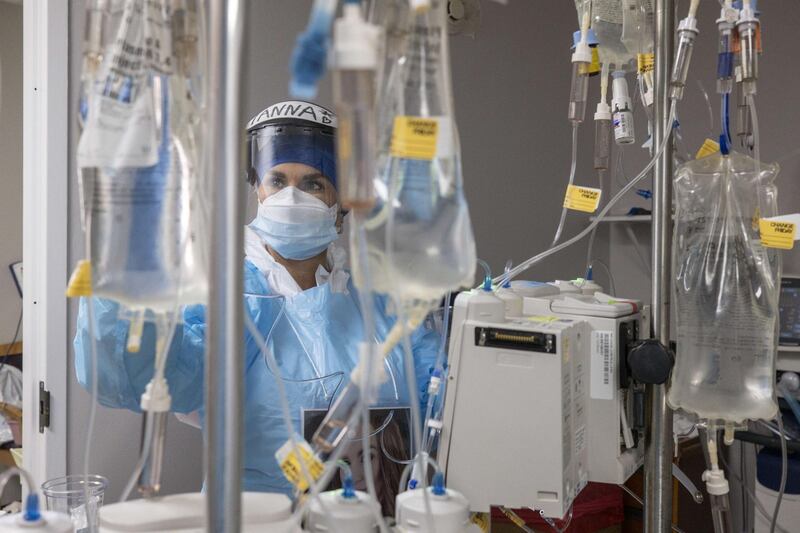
[586,199]
[601,386]
[776,233]
[289,459]
[119,134]
[415,137]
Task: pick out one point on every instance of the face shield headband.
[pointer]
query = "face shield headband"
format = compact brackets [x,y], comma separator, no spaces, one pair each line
[274,145]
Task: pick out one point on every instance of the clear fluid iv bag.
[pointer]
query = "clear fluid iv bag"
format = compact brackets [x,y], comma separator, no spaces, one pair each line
[726,290]
[142,195]
[624,29]
[419,234]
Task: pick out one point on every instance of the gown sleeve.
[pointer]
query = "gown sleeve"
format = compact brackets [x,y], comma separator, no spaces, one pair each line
[123,376]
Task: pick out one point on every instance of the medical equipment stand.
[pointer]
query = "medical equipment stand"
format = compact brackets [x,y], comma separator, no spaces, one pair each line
[224,362]
[659,447]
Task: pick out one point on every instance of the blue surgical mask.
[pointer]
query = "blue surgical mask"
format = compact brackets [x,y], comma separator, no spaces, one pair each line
[296,224]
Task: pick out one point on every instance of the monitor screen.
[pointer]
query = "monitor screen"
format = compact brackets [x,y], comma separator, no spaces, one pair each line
[790,312]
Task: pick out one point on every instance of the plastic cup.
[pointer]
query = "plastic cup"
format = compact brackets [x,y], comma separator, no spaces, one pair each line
[66,495]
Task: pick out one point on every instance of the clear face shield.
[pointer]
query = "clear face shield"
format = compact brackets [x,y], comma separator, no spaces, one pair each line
[273,145]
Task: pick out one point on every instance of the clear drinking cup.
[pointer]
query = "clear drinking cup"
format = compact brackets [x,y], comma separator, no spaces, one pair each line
[67,495]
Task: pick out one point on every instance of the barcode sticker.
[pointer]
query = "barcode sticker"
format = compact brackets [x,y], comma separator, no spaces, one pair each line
[602,366]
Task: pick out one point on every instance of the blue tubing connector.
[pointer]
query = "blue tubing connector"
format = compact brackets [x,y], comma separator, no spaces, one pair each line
[438,488]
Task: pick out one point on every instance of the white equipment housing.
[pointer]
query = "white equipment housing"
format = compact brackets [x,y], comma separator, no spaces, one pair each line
[185,513]
[614,324]
[538,405]
[515,417]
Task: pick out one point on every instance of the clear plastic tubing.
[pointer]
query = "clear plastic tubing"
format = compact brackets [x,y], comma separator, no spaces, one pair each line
[578,91]
[687,34]
[572,169]
[525,265]
[602,143]
[748,27]
[725,55]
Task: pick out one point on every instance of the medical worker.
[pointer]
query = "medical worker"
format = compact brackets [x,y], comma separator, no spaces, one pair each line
[297,291]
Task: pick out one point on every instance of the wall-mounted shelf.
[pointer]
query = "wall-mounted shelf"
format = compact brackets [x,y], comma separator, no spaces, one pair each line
[625,218]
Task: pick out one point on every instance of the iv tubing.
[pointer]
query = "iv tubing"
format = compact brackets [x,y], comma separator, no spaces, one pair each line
[572,169]
[285,409]
[784,475]
[137,470]
[791,400]
[750,494]
[522,267]
[358,241]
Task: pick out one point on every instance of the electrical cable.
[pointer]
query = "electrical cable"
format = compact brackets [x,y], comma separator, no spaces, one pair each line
[784,475]
[535,259]
[612,285]
[13,341]
[750,494]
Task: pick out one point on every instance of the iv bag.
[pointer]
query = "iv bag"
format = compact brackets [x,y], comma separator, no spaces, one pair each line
[726,290]
[143,199]
[419,234]
[623,28]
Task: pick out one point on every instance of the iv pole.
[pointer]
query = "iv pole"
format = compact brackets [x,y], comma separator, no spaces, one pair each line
[659,443]
[224,370]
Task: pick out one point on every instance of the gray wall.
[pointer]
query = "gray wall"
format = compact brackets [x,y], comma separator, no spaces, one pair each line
[511,86]
[10,165]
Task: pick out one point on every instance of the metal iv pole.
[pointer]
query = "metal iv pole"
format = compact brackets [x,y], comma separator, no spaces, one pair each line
[659,444]
[224,371]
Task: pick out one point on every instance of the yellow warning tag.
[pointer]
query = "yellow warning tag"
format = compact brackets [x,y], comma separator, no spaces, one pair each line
[584,199]
[80,283]
[594,66]
[646,63]
[777,233]
[481,520]
[710,147]
[414,137]
[289,461]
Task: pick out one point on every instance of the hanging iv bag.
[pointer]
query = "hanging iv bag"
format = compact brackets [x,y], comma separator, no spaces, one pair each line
[144,202]
[419,234]
[624,28]
[726,290]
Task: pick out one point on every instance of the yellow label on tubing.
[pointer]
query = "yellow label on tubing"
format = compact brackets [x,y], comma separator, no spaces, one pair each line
[481,520]
[80,283]
[594,66]
[414,137]
[646,63]
[777,233]
[584,199]
[710,147]
[289,459]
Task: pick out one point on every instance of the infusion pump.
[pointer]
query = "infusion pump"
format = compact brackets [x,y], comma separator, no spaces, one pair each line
[539,400]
